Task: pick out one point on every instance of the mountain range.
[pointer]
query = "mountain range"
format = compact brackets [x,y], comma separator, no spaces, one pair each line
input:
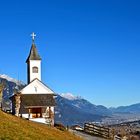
[135,108]
[71,109]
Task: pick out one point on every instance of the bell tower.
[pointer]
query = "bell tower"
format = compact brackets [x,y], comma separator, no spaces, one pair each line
[33,63]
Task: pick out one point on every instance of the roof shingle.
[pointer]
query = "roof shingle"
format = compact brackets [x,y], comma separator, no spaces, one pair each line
[33,54]
[37,100]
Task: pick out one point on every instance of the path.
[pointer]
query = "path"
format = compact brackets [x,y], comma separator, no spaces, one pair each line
[86,136]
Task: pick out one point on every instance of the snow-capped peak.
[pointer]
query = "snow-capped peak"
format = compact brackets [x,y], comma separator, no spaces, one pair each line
[70,96]
[8,78]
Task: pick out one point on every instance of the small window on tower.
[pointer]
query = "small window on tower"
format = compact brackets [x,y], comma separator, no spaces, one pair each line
[35,69]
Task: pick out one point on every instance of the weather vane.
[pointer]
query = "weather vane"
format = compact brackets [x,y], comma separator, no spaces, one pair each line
[33,35]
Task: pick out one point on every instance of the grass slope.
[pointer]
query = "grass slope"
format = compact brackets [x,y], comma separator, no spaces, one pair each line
[14,128]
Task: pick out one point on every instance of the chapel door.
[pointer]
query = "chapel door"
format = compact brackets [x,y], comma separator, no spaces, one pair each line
[36,112]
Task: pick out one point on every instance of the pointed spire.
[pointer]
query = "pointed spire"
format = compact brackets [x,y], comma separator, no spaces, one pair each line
[33,55]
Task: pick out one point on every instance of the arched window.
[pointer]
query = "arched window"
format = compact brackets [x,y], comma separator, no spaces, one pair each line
[35,69]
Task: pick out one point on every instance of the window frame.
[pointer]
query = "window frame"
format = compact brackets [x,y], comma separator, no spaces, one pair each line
[35,69]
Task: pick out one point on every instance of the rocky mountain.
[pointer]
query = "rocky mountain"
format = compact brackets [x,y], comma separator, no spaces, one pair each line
[77,110]
[9,79]
[86,106]
[10,85]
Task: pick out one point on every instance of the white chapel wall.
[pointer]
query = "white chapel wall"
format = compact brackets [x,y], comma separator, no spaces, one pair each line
[35,63]
[36,87]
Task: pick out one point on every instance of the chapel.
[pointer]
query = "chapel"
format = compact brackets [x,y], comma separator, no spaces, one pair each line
[36,101]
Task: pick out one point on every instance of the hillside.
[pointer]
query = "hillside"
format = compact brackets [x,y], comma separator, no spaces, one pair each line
[14,128]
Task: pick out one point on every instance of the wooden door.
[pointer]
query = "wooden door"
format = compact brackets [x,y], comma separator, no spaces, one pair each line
[36,112]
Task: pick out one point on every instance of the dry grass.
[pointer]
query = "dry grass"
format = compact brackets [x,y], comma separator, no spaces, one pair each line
[14,128]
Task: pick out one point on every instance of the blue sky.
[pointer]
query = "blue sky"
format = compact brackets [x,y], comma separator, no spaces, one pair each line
[90,48]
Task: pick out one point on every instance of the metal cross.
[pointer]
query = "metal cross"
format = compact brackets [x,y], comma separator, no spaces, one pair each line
[33,35]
